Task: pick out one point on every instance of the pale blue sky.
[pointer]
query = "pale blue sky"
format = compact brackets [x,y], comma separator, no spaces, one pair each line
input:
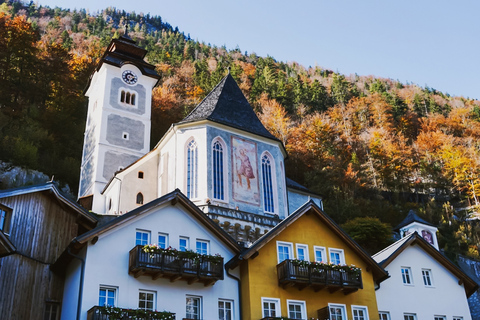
[427,42]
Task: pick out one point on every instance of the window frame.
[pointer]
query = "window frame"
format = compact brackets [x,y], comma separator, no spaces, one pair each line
[341,255]
[323,250]
[303,308]
[193,298]
[386,315]
[225,310]
[5,219]
[409,316]
[139,199]
[286,244]
[191,169]
[127,97]
[201,241]
[457,318]
[362,308]
[427,277]
[269,190]
[343,307]
[437,317]
[154,299]
[137,231]
[187,246]
[222,176]
[107,289]
[49,305]
[407,281]
[276,302]
[305,248]
[161,234]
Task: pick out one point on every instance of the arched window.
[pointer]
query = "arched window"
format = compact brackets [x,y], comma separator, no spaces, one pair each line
[132,100]
[122,96]
[267,184]
[192,169]
[127,97]
[218,172]
[139,198]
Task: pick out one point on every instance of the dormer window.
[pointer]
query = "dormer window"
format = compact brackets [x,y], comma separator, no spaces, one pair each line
[127,97]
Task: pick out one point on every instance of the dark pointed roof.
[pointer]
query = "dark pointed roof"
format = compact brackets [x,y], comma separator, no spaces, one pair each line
[412,217]
[227,105]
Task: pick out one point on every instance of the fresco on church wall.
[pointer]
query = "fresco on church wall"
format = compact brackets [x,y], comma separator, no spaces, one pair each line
[245,171]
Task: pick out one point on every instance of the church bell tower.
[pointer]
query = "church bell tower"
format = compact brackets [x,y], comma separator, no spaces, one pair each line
[117,131]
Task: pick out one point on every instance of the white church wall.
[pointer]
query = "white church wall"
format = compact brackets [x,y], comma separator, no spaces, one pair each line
[107,264]
[444,298]
[296,199]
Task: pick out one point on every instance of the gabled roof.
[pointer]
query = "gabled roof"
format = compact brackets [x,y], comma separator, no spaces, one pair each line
[411,218]
[227,105]
[174,197]
[379,274]
[53,190]
[387,255]
[6,246]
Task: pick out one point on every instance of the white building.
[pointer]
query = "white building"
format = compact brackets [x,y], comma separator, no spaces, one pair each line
[107,266]
[423,283]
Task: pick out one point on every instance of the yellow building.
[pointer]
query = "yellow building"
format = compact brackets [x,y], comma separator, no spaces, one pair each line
[307,267]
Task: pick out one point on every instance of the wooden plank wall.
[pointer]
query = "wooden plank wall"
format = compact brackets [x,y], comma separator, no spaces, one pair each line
[41,229]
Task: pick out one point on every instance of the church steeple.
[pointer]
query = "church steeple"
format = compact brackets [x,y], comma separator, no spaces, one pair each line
[413,223]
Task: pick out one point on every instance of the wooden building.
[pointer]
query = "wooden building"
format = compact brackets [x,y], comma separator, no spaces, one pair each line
[36,225]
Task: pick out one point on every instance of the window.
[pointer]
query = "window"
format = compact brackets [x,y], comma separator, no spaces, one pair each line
[359,313]
[142,237]
[146,300]
[107,296]
[192,169]
[336,256]
[440,318]
[406,275]
[218,171]
[125,136]
[202,246]
[140,174]
[457,318]
[271,307]
[5,215]
[183,244]
[127,97]
[163,240]
[194,308]
[302,252]
[427,277]
[225,310]
[384,315]
[320,255]
[296,309]
[139,198]
[337,312]
[284,251]
[409,316]
[52,311]
[267,184]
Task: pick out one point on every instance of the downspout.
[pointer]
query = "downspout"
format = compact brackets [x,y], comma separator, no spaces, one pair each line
[239,291]
[80,290]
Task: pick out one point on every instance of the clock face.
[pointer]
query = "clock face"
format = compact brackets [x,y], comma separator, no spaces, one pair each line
[129,77]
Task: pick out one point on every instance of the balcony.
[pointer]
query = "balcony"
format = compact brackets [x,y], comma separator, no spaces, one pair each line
[109,313]
[318,277]
[178,266]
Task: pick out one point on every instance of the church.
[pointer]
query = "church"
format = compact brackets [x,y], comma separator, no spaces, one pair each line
[220,155]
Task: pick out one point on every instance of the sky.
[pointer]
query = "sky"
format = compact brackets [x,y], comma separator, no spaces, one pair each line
[434,43]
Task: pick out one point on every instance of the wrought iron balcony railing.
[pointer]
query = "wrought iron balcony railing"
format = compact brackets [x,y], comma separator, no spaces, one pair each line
[110,313]
[175,267]
[318,277]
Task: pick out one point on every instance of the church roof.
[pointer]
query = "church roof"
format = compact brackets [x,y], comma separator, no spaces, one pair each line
[411,218]
[227,105]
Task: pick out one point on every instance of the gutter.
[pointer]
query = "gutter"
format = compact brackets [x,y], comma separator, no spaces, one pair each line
[80,289]
[239,290]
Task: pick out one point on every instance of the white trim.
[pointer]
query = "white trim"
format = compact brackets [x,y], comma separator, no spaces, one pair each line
[202,241]
[340,305]
[278,309]
[414,315]
[232,304]
[305,248]
[154,307]
[364,308]
[194,169]
[303,306]
[430,277]
[384,313]
[112,288]
[143,231]
[187,247]
[288,244]
[410,276]
[200,304]
[324,253]
[336,250]
[225,168]
[166,239]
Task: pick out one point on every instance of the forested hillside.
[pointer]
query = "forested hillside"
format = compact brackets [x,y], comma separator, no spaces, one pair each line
[372,147]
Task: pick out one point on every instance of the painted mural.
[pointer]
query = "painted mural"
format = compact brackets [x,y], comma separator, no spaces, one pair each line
[245,171]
